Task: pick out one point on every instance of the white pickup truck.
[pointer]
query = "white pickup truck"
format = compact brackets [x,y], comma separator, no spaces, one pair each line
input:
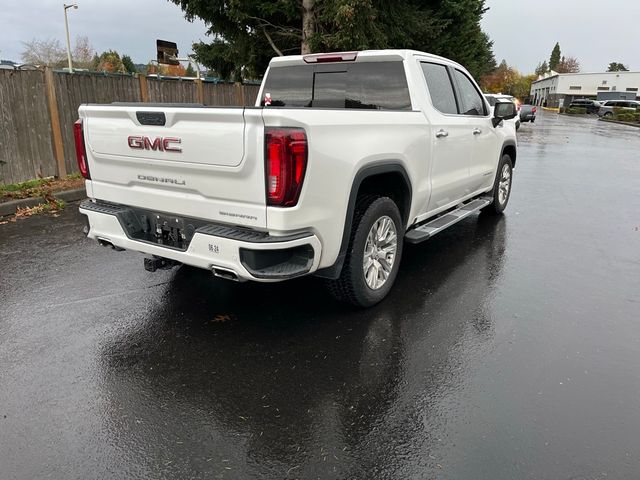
[344,157]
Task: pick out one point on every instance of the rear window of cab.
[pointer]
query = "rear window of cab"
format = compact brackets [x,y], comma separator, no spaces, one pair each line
[364,85]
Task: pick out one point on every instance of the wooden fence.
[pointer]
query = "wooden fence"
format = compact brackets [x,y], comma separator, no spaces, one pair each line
[38,108]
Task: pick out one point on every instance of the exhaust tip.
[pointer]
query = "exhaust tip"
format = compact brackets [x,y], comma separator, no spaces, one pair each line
[107,243]
[225,273]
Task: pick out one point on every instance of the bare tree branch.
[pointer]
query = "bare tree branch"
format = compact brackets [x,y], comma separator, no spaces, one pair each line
[270,40]
[282,30]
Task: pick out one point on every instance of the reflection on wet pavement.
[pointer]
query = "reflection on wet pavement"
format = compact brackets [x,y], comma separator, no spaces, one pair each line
[507,349]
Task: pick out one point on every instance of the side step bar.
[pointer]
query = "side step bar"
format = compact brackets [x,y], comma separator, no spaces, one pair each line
[427,230]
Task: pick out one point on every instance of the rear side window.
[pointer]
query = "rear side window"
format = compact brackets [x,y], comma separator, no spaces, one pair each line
[440,87]
[366,85]
[472,103]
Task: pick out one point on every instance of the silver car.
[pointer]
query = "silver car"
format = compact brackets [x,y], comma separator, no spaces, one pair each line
[606,110]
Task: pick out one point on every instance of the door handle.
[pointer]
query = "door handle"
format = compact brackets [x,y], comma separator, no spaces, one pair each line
[442,133]
[477,131]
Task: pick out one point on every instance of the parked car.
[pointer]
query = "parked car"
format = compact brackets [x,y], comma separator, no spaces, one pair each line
[606,110]
[344,157]
[528,113]
[592,106]
[492,98]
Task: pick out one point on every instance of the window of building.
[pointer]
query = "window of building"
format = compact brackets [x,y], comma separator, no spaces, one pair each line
[603,88]
[575,87]
[632,89]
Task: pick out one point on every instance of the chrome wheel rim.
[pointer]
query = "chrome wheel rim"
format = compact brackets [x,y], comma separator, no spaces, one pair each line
[380,252]
[505,184]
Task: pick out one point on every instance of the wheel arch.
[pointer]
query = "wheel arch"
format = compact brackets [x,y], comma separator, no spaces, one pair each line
[388,178]
[509,148]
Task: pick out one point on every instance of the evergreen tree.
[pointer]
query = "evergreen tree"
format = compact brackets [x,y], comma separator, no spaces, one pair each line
[248,33]
[128,64]
[542,68]
[617,67]
[555,57]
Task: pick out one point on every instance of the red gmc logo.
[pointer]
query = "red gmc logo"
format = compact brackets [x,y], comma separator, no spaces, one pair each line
[162,144]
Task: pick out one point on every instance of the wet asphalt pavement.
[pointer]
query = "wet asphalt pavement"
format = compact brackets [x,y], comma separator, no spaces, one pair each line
[508,349]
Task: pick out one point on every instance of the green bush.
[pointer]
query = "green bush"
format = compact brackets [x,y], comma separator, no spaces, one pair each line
[626,117]
[577,111]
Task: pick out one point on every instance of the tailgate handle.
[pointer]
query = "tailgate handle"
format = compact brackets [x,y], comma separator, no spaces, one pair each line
[151,118]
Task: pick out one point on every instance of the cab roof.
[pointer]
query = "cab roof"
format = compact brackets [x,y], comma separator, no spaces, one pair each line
[356,56]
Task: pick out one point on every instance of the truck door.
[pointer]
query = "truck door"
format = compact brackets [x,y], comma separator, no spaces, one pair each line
[452,141]
[484,159]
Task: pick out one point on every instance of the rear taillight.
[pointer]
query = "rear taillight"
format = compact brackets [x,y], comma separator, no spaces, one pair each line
[81,153]
[286,162]
[534,109]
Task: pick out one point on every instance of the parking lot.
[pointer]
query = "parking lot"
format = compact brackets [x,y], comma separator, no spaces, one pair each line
[509,348]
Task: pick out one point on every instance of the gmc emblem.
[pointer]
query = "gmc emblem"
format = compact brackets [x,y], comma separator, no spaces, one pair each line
[162,144]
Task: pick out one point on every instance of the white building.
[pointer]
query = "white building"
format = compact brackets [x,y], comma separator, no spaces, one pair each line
[560,89]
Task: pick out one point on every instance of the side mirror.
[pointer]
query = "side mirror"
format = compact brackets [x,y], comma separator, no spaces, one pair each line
[503,111]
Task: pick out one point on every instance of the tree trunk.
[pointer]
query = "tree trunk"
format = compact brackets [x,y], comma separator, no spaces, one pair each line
[308,25]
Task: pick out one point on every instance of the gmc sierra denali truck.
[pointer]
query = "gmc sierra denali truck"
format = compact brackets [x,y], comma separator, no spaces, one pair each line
[343,158]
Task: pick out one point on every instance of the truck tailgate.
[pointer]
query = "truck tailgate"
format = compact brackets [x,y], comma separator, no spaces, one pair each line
[197,162]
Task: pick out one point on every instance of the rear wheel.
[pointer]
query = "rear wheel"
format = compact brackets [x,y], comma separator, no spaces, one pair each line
[373,255]
[501,187]
[608,114]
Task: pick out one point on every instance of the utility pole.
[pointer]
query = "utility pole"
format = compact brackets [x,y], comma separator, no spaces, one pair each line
[66,26]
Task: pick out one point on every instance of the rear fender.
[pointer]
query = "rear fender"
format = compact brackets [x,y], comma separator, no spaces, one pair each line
[390,166]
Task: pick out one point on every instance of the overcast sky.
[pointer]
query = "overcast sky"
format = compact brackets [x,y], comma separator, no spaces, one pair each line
[596,33]
[127,26]
[523,31]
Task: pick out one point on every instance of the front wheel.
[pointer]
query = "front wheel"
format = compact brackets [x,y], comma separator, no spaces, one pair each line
[501,187]
[374,252]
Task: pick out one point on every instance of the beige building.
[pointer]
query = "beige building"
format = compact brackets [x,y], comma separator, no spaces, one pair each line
[560,89]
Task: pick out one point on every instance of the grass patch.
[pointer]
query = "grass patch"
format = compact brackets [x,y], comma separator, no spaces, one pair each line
[22,186]
[39,187]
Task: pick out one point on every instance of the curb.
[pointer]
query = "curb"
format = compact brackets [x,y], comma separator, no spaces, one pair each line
[637,125]
[11,207]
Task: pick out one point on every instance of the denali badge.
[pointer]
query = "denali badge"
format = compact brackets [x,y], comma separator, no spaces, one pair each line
[166,144]
[150,178]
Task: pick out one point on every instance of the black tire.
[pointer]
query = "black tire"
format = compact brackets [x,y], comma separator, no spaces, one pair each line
[497,207]
[608,114]
[351,286]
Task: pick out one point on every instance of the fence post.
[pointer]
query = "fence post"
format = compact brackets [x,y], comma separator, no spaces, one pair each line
[144,88]
[56,132]
[240,93]
[199,90]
